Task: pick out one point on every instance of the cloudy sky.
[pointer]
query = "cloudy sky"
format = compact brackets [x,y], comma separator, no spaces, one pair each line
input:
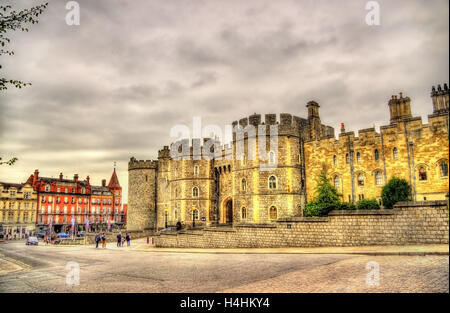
[112,87]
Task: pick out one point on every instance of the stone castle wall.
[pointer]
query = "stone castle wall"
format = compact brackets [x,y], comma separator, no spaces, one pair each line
[408,223]
[396,158]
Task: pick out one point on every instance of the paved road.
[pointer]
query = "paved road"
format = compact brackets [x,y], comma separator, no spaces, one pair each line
[43,269]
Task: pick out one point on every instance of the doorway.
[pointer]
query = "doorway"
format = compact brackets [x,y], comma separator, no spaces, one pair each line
[229,211]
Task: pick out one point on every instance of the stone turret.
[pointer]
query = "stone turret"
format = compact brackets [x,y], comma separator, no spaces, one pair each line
[440,99]
[315,126]
[399,108]
[141,194]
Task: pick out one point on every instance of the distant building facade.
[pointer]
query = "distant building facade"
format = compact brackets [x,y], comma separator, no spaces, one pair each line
[17,209]
[62,202]
[233,190]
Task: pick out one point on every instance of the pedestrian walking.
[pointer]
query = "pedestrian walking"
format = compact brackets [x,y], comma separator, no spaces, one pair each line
[128,240]
[119,239]
[104,241]
[97,240]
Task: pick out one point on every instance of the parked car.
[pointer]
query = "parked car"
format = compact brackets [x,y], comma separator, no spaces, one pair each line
[63,235]
[32,241]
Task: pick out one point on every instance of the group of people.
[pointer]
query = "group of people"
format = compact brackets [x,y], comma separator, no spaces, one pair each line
[120,240]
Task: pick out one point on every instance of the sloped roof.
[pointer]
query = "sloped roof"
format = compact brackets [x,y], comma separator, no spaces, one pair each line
[114,181]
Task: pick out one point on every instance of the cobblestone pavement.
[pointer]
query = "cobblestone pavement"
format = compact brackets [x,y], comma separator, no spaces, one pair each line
[396,274]
[127,270]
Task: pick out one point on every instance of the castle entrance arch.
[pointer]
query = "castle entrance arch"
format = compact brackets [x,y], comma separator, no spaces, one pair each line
[228,211]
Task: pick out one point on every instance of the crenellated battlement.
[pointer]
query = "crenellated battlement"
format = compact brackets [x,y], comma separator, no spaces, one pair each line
[134,164]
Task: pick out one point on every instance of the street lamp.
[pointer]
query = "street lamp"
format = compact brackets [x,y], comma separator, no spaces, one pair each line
[165,214]
[193,216]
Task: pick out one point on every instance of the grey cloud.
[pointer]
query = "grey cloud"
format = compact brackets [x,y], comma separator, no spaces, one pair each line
[113,87]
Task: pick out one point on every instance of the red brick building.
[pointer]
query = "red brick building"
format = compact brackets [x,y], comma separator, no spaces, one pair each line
[63,201]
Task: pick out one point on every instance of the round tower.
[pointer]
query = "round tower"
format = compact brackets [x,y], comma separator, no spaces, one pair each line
[142,177]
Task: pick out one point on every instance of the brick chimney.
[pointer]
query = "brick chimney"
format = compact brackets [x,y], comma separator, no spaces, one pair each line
[87,179]
[75,178]
[104,182]
[342,128]
[61,176]
[35,176]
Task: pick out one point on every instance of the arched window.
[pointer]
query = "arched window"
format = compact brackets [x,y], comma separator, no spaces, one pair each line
[271,157]
[422,173]
[244,213]
[444,169]
[378,178]
[360,179]
[243,184]
[195,192]
[395,153]
[347,158]
[273,214]
[377,155]
[336,182]
[196,170]
[334,160]
[272,182]
[358,157]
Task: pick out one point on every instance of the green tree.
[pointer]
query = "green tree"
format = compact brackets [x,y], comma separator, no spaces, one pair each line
[326,198]
[11,20]
[397,189]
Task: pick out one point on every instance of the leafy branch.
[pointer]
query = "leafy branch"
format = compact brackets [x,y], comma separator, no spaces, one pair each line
[9,162]
[11,20]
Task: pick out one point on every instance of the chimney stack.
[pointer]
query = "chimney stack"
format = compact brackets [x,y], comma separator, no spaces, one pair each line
[35,176]
[61,176]
[75,178]
[342,128]
[87,179]
[104,182]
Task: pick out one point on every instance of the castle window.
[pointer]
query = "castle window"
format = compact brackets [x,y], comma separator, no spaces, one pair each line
[422,174]
[444,169]
[146,177]
[377,155]
[196,170]
[244,213]
[272,182]
[336,182]
[334,160]
[360,180]
[358,157]
[347,158]
[271,157]
[195,192]
[273,214]
[243,184]
[378,178]
[395,153]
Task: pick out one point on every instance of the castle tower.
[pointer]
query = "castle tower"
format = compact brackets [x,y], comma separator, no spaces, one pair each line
[142,177]
[315,126]
[440,99]
[399,108]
